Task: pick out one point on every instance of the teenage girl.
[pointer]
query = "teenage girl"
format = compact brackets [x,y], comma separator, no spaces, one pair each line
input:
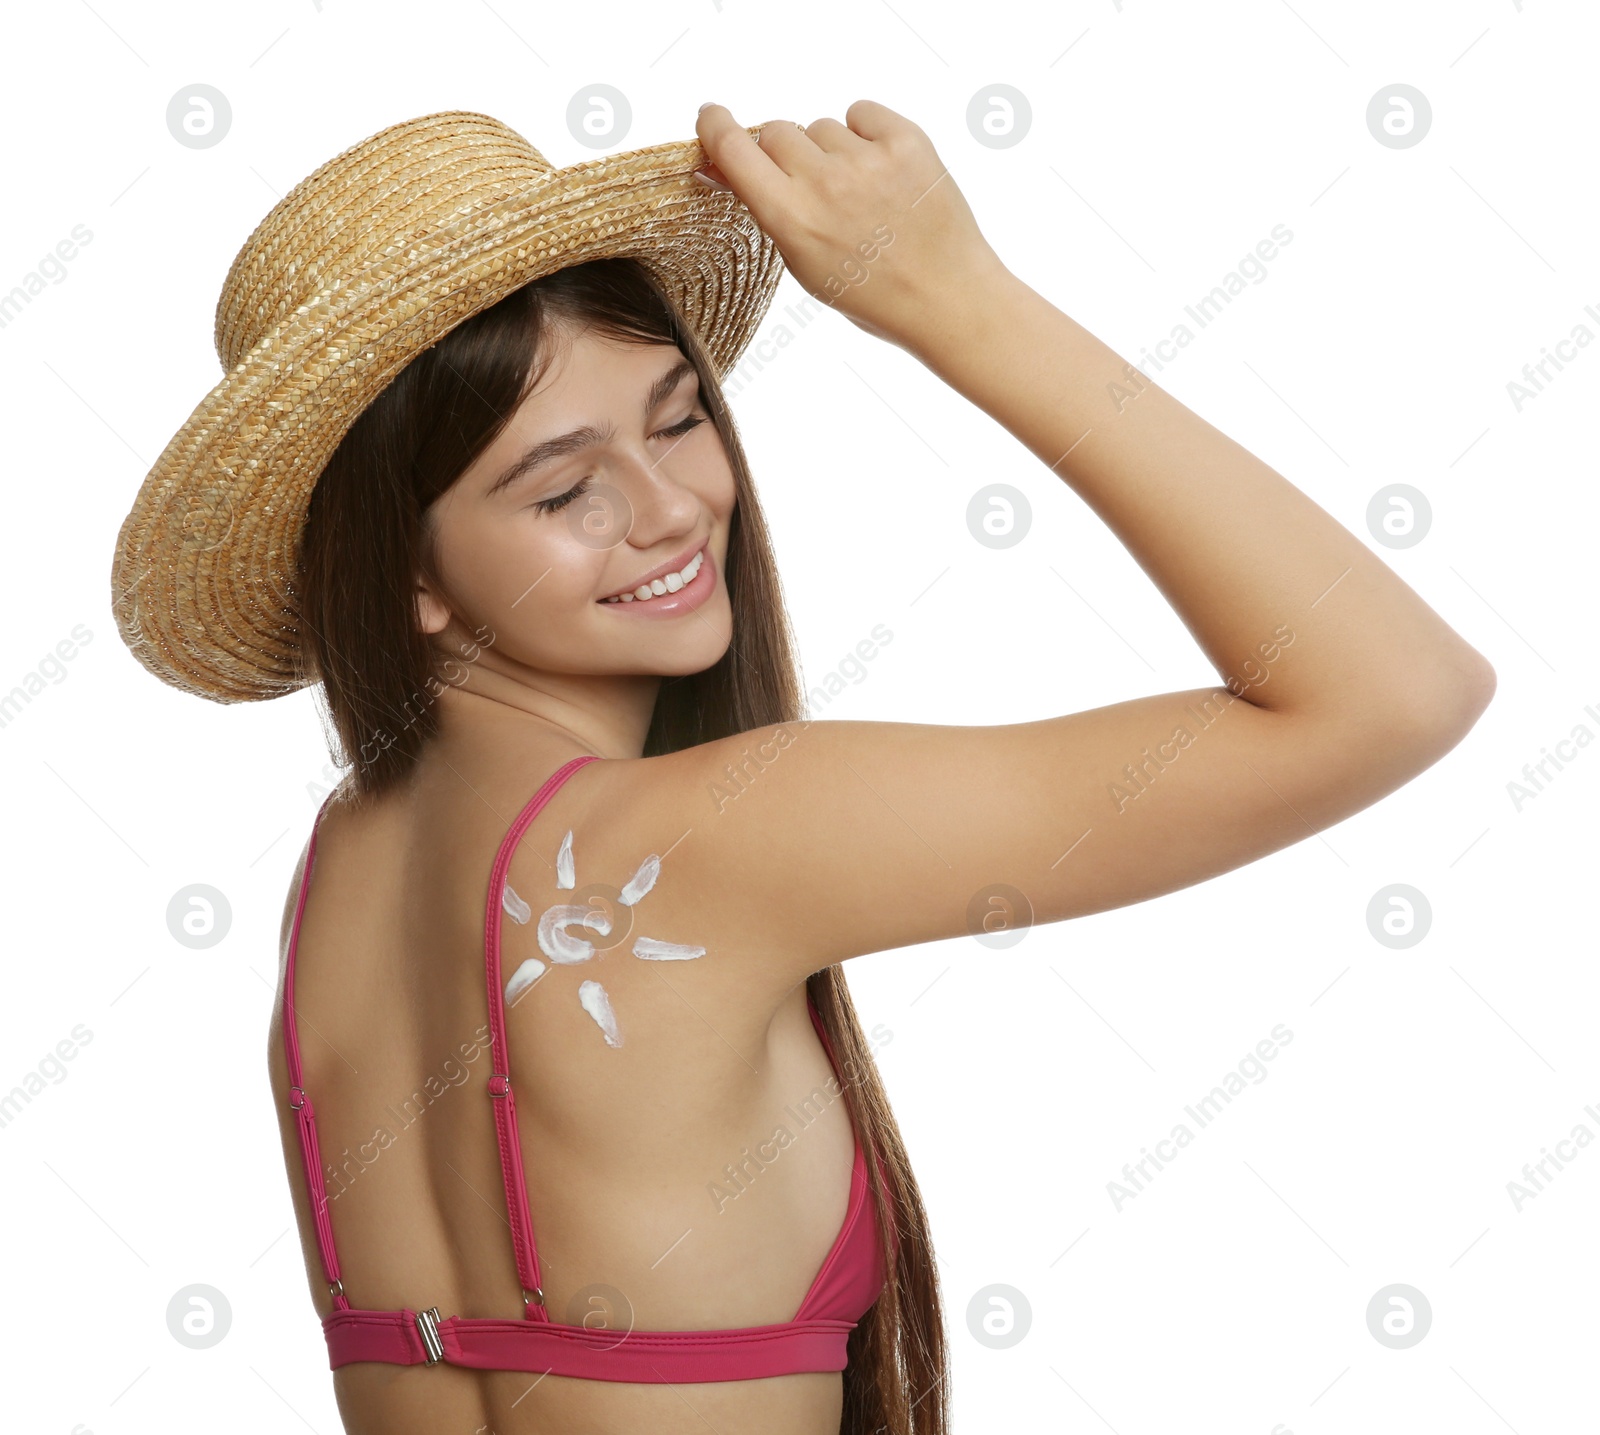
[607,831]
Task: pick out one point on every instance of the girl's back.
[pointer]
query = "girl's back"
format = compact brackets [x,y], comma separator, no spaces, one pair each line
[654,1183]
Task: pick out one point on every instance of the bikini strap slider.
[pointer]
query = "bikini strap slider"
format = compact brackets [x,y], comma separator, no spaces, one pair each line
[533,1297]
[293,1104]
[499,1083]
[428,1329]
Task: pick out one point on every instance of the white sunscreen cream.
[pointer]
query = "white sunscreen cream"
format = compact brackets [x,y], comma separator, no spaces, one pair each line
[523,978]
[516,908]
[554,941]
[653,950]
[641,881]
[562,947]
[595,1001]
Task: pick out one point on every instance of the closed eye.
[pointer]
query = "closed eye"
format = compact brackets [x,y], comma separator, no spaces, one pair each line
[553,505]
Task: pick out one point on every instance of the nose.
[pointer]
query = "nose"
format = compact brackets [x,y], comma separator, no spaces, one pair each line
[650,507]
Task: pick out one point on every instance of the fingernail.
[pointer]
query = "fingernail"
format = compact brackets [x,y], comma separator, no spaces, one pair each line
[708,104]
[707,179]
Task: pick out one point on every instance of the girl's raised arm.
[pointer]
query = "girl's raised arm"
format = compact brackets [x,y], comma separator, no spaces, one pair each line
[1339,683]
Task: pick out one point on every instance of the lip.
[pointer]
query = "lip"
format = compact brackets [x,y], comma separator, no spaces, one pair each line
[675,565]
[673,605]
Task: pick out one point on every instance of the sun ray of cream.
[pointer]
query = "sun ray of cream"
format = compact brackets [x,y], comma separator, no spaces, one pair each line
[523,978]
[565,877]
[641,881]
[595,1001]
[516,908]
[654,950]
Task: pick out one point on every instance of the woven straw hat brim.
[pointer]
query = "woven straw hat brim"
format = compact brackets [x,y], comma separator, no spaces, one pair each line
[203,577]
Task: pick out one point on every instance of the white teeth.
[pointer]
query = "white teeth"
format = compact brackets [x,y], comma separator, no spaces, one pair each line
[670,584]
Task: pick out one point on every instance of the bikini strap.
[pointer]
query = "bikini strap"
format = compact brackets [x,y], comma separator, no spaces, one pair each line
[504,1100]
[305,1113]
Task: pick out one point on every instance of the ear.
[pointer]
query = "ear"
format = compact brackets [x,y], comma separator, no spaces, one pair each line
[432,612]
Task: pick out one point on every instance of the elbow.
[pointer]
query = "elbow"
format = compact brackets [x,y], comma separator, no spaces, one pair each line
[1443,712]
[1484,683]
[1471,694]
[1385,738]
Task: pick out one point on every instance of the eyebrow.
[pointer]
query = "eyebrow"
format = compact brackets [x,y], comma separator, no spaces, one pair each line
[587,436]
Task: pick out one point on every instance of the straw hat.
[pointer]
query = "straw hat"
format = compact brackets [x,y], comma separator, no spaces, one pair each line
[359,268]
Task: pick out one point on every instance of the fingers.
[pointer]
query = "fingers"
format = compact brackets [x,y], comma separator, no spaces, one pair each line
[787,143]
[750,169]
[712,175]
[873,121]
[832,135]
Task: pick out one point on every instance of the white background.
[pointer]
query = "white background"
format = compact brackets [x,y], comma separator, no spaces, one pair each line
[1165,141]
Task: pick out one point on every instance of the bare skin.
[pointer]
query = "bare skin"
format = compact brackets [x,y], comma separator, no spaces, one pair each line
[844,838]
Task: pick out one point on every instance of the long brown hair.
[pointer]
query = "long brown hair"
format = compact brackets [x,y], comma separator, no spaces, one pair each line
[364,543]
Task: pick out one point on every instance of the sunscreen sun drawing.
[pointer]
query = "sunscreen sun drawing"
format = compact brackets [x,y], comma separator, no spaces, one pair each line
[563,947]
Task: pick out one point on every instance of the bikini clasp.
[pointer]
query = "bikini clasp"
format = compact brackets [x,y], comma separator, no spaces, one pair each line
[428,1328]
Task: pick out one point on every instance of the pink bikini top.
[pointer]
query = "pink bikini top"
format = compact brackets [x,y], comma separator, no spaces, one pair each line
[851,1277]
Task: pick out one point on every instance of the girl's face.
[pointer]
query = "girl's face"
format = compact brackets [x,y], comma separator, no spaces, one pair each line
[609,474]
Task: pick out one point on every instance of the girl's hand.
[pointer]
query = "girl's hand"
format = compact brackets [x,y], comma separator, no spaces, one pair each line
[864,213]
